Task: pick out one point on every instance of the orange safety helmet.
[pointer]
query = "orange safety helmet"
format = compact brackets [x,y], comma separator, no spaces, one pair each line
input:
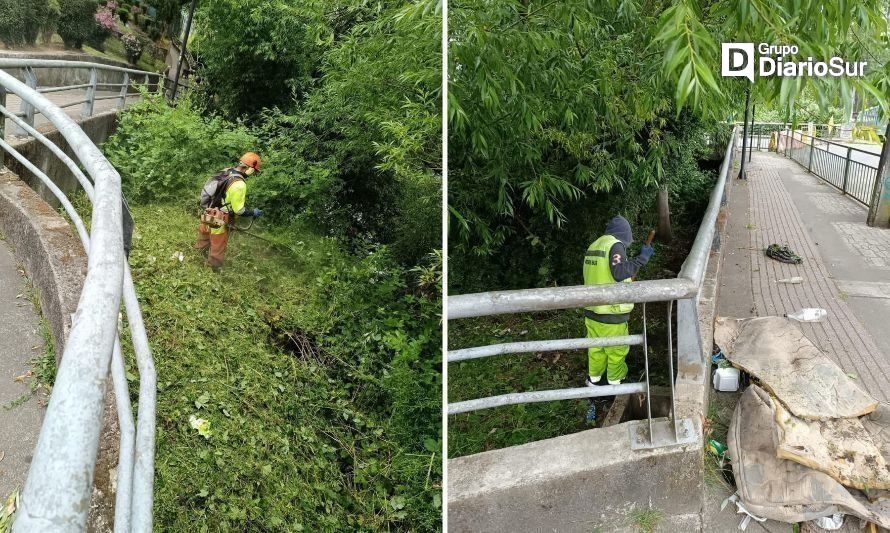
[252,160]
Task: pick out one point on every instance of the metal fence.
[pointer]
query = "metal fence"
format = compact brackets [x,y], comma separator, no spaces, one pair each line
[30,69]
[872,117]
[57,491]
[846,168]
[685,289]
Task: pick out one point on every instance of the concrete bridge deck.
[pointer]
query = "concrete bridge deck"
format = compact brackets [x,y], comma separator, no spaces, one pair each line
[13,103]
[845,269]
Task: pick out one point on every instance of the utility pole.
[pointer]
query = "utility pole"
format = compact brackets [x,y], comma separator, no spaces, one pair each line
[879,207]
[751,148]
[742,175]
[185,40]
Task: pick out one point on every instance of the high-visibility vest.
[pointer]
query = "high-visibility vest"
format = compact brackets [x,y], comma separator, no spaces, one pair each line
[597,271]
[235,197]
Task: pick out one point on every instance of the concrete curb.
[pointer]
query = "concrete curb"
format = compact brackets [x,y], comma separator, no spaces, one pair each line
[63,55]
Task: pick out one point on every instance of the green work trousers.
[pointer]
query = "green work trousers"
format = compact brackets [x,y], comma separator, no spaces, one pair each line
[610,358]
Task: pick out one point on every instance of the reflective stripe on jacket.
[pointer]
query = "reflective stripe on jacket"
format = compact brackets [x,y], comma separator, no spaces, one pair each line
[597,271]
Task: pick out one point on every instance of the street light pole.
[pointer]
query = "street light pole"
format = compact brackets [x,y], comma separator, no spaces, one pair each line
[742,175]
[185,40]
[751,148]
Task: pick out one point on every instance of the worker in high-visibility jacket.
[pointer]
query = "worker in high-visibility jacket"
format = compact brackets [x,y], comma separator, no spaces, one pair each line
[605,262]
[223,197]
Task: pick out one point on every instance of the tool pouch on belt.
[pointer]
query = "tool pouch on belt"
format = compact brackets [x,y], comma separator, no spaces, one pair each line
[214,218]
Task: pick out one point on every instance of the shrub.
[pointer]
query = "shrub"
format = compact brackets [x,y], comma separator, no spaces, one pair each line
[154,31]
[133,48]
[21,21]
[105,17]
[77,23]
[49,20]
[166,153]
[124,14]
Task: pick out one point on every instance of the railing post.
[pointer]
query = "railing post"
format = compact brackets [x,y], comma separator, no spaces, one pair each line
[124,89]
[28,109]
[87,110]
[847,169]
[2,124]
[689,348]
[812,149]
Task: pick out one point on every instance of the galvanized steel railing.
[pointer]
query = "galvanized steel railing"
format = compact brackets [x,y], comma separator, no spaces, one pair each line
[57,492]
[685,289]
[30,68]
[844,167]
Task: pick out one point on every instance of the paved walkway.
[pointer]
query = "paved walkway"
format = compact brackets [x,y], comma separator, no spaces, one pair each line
[13,103]
[845,269]
[20,342]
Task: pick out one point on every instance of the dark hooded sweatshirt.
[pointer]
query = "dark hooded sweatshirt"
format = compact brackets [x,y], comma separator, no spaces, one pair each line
[622,267]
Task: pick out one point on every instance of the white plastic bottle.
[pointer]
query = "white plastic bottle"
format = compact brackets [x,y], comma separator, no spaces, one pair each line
[809,314]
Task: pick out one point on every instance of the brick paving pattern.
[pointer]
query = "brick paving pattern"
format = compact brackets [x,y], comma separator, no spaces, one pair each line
[774,218]
[872,244]
[832,204]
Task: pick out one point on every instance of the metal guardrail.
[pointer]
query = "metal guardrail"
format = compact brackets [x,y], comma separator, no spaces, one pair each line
[29,69]
[823,158]
[685,288]
[57,491]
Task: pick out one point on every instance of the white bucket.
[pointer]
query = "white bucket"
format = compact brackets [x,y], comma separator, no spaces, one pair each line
[726,379]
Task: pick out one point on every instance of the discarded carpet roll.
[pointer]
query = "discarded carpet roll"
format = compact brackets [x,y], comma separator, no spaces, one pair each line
[791,367]
[839,447]
[780,489]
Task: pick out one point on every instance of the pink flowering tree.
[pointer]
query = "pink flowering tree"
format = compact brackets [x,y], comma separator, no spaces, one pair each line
[105,17]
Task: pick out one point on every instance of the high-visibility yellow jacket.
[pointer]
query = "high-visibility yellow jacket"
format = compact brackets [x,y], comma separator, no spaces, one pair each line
[597,271]
[233,203]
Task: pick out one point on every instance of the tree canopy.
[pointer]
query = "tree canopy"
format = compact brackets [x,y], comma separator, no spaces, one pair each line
[552,102]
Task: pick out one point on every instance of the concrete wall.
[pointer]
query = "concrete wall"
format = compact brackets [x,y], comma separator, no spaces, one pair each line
[577,482]
[98,127]
[59,77]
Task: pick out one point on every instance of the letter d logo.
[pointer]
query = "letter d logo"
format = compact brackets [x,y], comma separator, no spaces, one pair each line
[737,60]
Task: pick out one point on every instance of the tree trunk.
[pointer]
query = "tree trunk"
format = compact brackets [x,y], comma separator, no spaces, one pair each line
[664,216]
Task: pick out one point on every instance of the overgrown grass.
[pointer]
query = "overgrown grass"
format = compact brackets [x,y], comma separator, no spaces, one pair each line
[304,434]
[507,426]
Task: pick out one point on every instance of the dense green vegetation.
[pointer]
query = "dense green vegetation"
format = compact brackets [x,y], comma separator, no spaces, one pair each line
[300,388]
[554,106]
